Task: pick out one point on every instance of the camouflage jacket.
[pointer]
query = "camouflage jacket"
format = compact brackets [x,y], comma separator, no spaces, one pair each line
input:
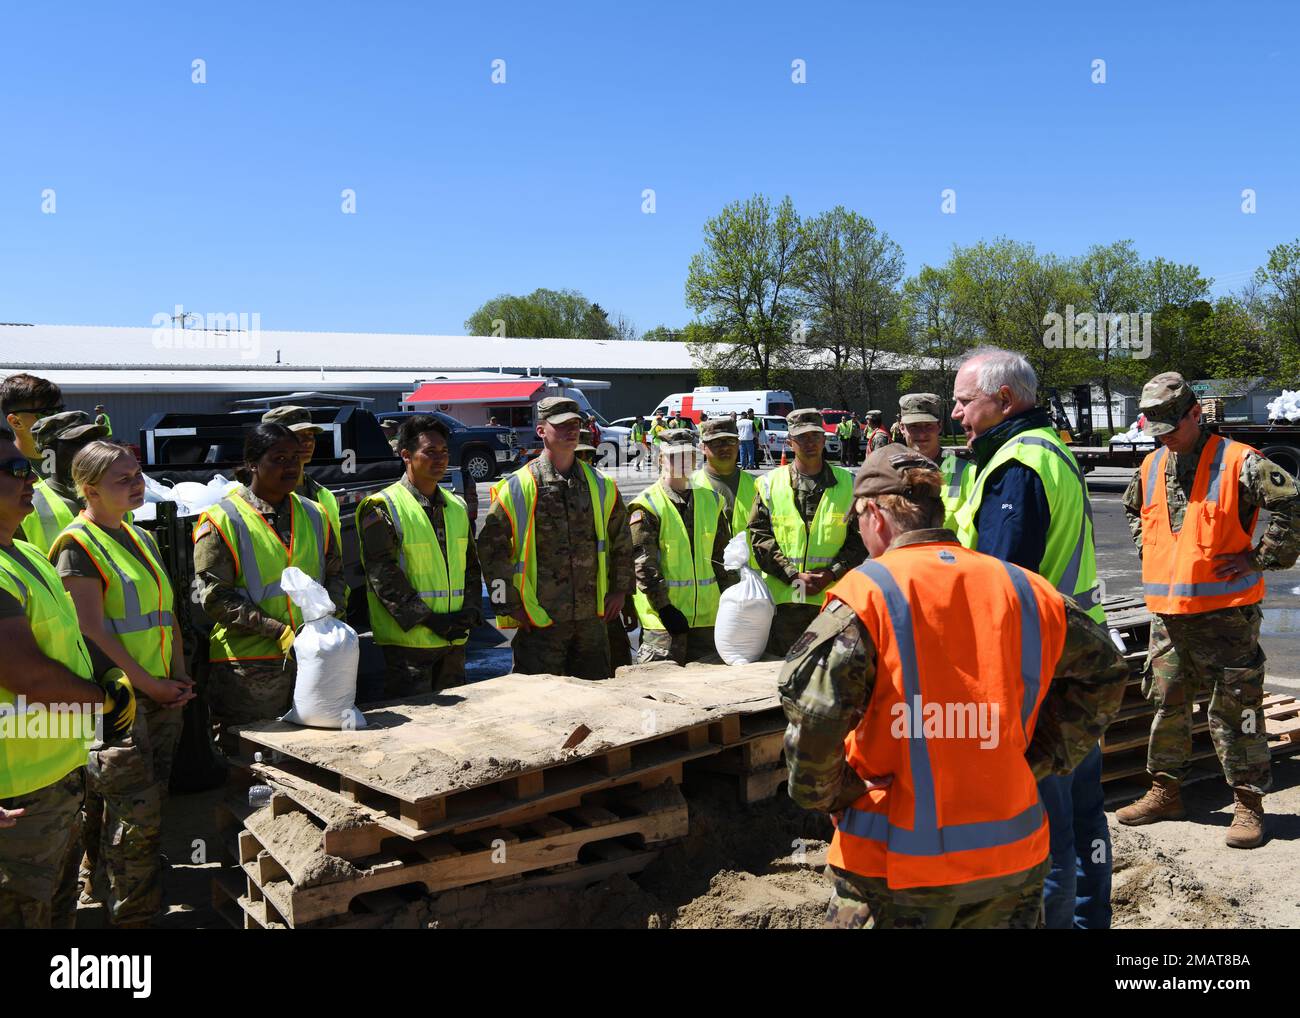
[830,675]
[807,495]
[566,548]
[645,546]
[214,571]
[1263,485]
[386,579]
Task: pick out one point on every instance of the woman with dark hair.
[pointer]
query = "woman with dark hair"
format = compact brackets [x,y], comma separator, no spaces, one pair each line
[241,546]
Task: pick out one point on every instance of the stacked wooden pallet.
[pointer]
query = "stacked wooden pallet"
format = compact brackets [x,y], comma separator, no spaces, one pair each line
[530,779]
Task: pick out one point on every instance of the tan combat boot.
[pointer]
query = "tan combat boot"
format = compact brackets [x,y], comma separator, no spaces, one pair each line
[1247,828]
[1163,801]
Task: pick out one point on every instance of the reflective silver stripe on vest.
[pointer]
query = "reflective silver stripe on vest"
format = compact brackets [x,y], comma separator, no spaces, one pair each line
[1031,640]
[819,560]
[954,486]
[397,526]
[1070,578]
[1153,473]
[692,583]
[1216,470]
[516,487]
[926,838]
[248,567]
[1212,588]
[133,620]
[319,525]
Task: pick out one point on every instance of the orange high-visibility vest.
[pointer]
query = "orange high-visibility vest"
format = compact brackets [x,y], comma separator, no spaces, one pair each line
[1178,569]
[963,642]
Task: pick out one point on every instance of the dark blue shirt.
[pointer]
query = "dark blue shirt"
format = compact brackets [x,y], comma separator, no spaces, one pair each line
[1014,516]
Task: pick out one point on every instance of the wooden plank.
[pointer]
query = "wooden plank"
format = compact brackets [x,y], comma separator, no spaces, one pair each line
[526,786]
[726,731]
[762,784]
[615,761]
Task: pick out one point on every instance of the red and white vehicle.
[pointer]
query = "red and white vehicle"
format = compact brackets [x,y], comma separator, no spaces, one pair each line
[716,400]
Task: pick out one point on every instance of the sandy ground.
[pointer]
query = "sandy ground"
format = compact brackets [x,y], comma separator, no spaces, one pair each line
[761,867]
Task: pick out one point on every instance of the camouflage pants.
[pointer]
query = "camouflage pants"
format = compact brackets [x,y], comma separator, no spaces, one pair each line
[413,671]
[1218,651]
[126,786]
[38,857]
[788,625]
[866,903]
[660,645]
[620,647]
[242,692]
[564,648]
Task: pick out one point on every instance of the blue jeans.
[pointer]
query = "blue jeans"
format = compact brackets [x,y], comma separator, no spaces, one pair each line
[1076,894]
[746,454]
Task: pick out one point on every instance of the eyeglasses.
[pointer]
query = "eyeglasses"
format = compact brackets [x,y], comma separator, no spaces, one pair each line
[40,411]
[20,467]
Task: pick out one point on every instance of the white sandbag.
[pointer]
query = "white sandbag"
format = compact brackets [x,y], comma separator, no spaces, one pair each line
[746,608]
[327,652]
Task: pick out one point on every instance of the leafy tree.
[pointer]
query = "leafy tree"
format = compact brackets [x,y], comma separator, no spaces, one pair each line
[1111,275]
[1279,283]
[545,314]
[745,283]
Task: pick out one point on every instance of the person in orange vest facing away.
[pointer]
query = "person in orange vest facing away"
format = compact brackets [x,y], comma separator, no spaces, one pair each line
[924,703]
[1192,508]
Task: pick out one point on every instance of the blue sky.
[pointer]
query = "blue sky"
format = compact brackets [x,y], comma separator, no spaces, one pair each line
[225,196]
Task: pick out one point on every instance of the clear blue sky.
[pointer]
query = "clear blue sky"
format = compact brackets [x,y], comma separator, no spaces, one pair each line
[226,196]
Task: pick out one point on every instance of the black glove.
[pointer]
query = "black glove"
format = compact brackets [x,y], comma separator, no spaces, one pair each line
[119,705]
[449,626]
[674,621]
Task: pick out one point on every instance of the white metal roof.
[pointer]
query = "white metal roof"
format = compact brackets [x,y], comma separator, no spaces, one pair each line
[38,347]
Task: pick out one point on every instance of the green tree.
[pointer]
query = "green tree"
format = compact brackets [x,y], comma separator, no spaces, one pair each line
[1111,275]
[745,283]
[1176,296]
[938,330]
[1279,283]
[543,314]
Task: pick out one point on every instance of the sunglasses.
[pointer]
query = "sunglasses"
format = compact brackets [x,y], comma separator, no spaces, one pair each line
[41,411]
[20,467]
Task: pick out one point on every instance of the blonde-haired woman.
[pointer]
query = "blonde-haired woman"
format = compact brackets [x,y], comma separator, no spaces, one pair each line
[125,605]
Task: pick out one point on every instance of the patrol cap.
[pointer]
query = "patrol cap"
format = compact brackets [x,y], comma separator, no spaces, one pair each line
[874,415]
[66,426]
[388,422]
[803,422]
[677,442]
[295,418]
[1164,401]
[718,427]
[919,408]
[585,437]
[558,409]
[881,473]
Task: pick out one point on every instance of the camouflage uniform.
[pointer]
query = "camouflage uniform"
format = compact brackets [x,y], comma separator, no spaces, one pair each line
[577,641]
[620,646]
[1217,649]
[659,644]
[826,686]
[414,670]
[38,856]
[240,692]
[792,619]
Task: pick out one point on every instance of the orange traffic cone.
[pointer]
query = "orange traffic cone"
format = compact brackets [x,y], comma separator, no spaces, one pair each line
[782,457]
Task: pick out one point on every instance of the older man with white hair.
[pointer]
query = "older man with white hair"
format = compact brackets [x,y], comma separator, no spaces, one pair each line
[1029,505]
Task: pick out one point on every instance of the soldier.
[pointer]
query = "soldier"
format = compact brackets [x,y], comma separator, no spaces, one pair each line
[847,430]
[241,546]
[298,420]
[1028,504]
[877,436]
[1192,508]
[736,487]
[59,438]
[679,532]
[102,418]
[46,663]
[557,554]
[126,608]
[390,429]
[919,414]
[638,448]
[938,820]
[423,582]
[25,400]
[802,530]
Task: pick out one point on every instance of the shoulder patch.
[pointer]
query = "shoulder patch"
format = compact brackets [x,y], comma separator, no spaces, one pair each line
[802,644]
[203,529]
[636,517]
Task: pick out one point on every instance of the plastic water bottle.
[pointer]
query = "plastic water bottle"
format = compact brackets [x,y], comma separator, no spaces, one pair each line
[259,795]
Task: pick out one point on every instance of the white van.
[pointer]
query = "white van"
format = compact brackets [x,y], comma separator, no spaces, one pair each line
[718,399]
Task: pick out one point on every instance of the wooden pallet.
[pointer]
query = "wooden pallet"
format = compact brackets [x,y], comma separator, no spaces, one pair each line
[285,887]
[757,766]
[1282,720]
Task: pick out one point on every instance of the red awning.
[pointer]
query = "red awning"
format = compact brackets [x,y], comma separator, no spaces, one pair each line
[474,392]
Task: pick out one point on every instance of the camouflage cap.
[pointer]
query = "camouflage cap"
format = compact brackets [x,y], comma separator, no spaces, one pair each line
[881,473]
[1165,399]
[678,441]
[558,409]
[66,426]
[919,408]
[585,437]
[295,418]
[874,415]
[388,422]
[718,427]
[803,422]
